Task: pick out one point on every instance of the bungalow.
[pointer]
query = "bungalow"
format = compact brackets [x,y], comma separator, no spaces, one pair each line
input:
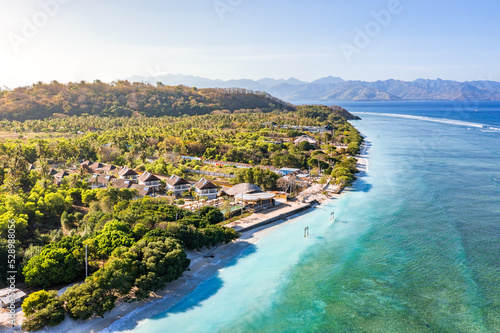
[312,129]
[177,185]
[148,179]
[205,189]
[127,173]
[307,138]
[319,129]
[143,190]
[108,168]
[252,195]
[120,183]
[84,168]
[59,176]
[99,181]
[96,166]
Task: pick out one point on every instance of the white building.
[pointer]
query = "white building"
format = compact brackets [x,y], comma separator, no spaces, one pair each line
[149,179]
[178,185]
[206,189]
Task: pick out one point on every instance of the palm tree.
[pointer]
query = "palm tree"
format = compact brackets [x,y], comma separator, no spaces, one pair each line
[170,193]
[225,206]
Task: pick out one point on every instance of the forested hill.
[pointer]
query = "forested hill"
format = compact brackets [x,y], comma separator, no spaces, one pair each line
[123,98]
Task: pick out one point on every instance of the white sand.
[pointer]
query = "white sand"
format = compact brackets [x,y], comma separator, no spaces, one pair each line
[201,269]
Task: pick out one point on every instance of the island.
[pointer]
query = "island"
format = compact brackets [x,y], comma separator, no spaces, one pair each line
[114,190]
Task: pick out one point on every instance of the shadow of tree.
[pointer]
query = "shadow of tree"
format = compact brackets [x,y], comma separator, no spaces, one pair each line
[162,308]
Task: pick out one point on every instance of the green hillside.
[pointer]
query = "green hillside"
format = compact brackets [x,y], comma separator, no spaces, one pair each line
[123,98]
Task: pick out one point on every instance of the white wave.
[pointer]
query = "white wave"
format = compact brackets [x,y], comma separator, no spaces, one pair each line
[436,120]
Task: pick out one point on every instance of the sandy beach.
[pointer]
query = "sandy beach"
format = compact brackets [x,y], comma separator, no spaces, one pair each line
[204,265]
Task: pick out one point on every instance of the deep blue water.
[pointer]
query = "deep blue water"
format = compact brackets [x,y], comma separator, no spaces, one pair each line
[487,113]
[414,248]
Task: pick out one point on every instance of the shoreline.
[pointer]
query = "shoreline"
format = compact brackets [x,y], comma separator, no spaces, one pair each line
[126,316]
[236,248]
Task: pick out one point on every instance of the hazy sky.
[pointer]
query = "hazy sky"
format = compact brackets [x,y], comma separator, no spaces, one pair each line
[72,40]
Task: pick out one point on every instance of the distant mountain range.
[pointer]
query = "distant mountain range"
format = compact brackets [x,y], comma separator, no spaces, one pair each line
[336,89]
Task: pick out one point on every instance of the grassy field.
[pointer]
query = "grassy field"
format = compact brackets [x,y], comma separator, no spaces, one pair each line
[25,136]
[220,169]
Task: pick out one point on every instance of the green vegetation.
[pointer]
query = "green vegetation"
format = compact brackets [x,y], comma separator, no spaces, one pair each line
[125,99]
[344,171]
[135,272]
[264,178]
[135,246]
[137,260]
[63,261]
[42,308]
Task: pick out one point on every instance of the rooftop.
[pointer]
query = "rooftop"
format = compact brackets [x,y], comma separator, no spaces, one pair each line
[127,172]
[204,184]
[176,180]
[242,188]
[148,177]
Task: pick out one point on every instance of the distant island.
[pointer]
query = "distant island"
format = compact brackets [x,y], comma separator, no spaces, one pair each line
[336,89]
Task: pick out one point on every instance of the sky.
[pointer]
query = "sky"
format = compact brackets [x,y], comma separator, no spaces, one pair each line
[74,40]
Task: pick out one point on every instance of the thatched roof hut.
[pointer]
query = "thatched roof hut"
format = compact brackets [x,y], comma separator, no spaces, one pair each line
[243,188]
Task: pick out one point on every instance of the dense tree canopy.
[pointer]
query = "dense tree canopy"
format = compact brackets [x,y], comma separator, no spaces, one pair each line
[135,246]
[265,179]
[145,267]
[44,212]
[41,309]
[56,263]
[124,99]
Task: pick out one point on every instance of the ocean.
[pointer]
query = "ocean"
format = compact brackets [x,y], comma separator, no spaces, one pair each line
[415,245]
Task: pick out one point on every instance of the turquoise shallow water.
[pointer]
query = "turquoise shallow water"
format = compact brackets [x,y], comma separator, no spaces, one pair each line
[414,248]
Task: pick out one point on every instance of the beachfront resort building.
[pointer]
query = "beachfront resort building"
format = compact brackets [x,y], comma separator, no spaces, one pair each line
[148,179]
[307,138]
[205,189]
[177,185]
[143,190]
[120,183]
[8,295]
[96,166]
[127,173]
[251,195]
[58,177]
[100,181]
[108,168]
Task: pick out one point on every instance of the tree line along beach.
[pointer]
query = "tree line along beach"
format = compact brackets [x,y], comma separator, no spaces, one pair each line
[117,193]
